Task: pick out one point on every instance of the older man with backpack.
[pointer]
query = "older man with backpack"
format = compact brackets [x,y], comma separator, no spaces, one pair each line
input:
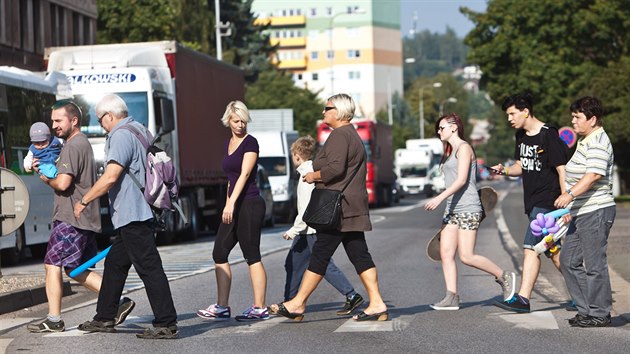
[133,220]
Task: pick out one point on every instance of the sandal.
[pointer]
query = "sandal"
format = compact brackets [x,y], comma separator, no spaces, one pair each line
[379,316]
[282,311]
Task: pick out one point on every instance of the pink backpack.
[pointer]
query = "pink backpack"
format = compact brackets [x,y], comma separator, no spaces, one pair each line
[161,185]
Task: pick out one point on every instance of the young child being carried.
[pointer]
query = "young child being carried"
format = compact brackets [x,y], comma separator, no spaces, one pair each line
[45,149]
[304,237]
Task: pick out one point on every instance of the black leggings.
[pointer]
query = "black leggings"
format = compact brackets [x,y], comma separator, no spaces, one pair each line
[244,230]
[327,243]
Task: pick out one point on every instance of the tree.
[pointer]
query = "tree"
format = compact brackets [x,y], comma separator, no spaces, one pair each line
[248,46]
[274,89]
[434,53]
[560,50]
[192,23]
[402,119]
[135,21]
[548,47]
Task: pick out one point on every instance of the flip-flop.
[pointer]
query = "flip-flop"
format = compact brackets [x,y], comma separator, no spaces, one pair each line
[379,316]
[282,311]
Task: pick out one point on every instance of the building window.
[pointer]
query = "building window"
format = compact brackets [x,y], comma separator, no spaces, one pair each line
[354,75]
[315,76]
[313,12]
[314,55]
[354,53]
[298,77]
[330,54]
[352,32]
[352,9]
[329,11]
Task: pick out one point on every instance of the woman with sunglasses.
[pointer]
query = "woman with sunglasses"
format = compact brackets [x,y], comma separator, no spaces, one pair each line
[341,161]
[463,213]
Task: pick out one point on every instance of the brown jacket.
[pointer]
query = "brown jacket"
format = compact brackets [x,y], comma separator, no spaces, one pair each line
[340,156]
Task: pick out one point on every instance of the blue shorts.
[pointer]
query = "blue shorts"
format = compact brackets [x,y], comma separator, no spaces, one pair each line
[530,240]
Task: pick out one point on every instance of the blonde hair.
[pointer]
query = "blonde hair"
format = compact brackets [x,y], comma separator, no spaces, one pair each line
[237,108]
[344,105]
[304,147]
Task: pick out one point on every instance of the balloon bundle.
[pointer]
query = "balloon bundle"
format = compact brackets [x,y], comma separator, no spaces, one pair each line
[549,229]
[544,225]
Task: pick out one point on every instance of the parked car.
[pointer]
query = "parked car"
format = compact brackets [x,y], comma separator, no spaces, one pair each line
[435,184]
[262,182]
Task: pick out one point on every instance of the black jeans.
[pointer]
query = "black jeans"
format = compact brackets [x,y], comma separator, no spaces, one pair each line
[135,244]
[327,243]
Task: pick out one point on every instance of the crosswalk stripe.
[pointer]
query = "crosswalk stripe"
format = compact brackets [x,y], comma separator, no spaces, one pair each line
[532,320]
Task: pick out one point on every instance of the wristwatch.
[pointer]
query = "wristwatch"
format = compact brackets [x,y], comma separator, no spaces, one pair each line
[83,202]
[570,193]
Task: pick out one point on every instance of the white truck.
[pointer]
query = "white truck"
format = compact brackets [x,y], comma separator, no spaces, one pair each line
[435,177]
[411,167]
[174,91]
[275,157]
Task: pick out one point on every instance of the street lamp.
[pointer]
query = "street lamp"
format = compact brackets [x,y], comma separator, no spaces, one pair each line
[450,99]
[331,54]
[218,28]
[421,105]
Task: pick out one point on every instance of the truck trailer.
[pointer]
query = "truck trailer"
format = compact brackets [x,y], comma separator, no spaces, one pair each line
[174,91]
[377,139]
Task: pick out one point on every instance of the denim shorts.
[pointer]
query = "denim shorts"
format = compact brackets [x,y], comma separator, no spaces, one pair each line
[464,221]
[68,246]
[530,240]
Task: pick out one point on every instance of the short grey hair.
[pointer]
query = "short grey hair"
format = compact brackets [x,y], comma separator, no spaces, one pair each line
[344,105]
[113,104]
[237,108]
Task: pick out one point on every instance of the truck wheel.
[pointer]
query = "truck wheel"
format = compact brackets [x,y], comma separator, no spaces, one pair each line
[189,206]
[166,236]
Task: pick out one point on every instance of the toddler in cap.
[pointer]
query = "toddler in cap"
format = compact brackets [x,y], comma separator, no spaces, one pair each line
[45,148]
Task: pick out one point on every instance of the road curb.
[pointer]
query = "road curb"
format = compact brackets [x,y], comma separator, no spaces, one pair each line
[21,299]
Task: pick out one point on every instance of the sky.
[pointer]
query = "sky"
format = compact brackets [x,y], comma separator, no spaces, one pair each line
[436,15]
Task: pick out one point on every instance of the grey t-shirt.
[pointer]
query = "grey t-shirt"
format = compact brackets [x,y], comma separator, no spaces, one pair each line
[77,159]
[127,203]
[466,199]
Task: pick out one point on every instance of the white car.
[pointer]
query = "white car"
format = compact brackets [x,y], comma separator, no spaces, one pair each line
[435,184]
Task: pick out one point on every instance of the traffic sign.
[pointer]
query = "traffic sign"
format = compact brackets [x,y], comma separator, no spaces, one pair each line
[568,135]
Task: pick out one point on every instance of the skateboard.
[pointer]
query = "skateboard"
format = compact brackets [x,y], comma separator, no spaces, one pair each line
[489,200]
[550,235]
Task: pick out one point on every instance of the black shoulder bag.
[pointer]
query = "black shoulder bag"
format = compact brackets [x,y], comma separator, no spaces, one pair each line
[324,209]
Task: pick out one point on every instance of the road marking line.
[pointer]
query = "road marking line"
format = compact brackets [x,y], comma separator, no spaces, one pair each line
[397,324]
[4,344]
[533,320]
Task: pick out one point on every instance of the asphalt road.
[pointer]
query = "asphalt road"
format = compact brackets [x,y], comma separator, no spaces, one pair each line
[409,283]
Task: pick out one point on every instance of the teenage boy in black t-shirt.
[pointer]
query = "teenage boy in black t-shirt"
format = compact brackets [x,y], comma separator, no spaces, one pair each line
[540,157]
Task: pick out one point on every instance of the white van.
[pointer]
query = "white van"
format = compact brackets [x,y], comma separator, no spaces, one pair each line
[275,157]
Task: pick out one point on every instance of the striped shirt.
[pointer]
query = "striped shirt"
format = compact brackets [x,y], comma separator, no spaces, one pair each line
[594,154]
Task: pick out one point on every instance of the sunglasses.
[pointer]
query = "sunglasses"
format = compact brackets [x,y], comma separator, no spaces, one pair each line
[328,108]
[443,127]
